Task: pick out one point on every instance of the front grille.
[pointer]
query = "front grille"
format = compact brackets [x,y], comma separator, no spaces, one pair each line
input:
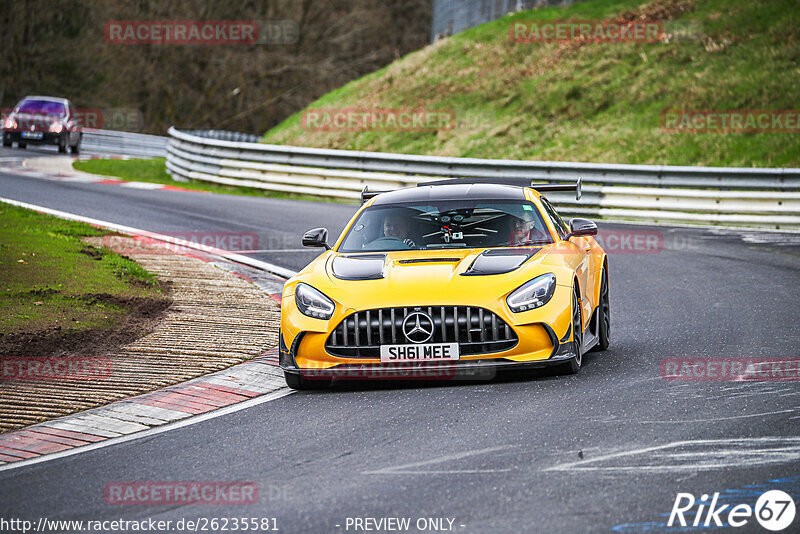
[476,330]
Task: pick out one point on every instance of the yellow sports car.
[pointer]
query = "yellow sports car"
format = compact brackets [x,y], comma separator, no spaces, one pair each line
[446,279]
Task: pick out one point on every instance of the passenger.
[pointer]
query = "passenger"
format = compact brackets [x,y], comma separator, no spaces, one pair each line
[525,232]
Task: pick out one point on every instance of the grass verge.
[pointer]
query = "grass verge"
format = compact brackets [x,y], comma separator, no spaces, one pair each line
[55,286]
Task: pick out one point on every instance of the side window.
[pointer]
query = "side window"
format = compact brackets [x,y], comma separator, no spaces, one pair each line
[562,228]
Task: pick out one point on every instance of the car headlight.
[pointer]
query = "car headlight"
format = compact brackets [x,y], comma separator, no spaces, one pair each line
[56,127]
[312,302]
[533,294]
[10,124]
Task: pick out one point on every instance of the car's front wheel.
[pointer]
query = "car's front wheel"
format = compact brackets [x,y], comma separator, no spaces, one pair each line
[22,145]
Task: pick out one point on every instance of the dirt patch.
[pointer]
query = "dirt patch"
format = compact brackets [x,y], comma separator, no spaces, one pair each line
[660,10]
[143,316]
[92,253]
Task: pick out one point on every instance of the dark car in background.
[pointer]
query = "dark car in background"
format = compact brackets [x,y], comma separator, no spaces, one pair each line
[43,120]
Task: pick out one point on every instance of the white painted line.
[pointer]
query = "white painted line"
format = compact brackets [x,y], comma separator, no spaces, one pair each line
[260,251]
[238,258]
[408,469]
[146,433]
[709,420]
[141,185]
[707,454]
[721,228]
[79,179]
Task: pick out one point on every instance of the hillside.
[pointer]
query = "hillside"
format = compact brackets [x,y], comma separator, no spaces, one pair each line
[588,101]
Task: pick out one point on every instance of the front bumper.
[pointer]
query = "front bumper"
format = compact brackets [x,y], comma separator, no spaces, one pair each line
[460,369]
[48,138]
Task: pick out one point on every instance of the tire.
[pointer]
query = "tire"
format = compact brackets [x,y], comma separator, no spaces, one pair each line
[62,147]
[604,334]
[296,381]
[7,144]
[22,145]
[574,364]
[75,149]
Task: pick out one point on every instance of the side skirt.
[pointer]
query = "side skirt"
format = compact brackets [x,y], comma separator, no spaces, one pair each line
[591,336]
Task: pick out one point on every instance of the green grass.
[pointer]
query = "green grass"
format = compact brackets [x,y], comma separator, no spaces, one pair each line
[154,170]
[140,170]
[597,102]
[51,278]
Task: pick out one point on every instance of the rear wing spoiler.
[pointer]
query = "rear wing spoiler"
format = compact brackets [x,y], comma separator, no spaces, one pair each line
[366,194]
[577,186]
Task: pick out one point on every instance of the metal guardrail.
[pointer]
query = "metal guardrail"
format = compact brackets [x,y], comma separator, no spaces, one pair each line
[123,143]
[765,198]
[224,135]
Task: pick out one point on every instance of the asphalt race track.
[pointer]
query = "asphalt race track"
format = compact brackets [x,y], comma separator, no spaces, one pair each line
[607,449]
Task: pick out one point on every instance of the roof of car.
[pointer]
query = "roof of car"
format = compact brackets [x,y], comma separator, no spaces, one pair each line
[450,192]
[47,98]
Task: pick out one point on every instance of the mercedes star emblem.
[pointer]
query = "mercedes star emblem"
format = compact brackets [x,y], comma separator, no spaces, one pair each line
[418,327]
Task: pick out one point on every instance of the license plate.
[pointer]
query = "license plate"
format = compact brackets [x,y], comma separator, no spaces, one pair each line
[32,135]
[424,352]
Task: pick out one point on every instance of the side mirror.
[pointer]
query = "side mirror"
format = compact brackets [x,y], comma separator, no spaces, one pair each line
[318,237]
[581,227]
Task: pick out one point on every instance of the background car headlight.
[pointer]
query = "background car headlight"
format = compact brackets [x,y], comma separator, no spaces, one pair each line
[312,302]
[532,294]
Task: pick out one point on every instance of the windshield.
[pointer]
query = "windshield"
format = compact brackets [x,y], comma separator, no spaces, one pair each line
[42,107]
[446,225]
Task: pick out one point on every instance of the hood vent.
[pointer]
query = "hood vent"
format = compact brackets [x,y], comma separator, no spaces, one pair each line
[500,261]
[361,267]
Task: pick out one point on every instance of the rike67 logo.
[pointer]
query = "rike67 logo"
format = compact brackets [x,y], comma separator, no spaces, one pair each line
[774,510]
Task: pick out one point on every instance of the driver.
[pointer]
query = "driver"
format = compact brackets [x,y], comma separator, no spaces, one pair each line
[395,226]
